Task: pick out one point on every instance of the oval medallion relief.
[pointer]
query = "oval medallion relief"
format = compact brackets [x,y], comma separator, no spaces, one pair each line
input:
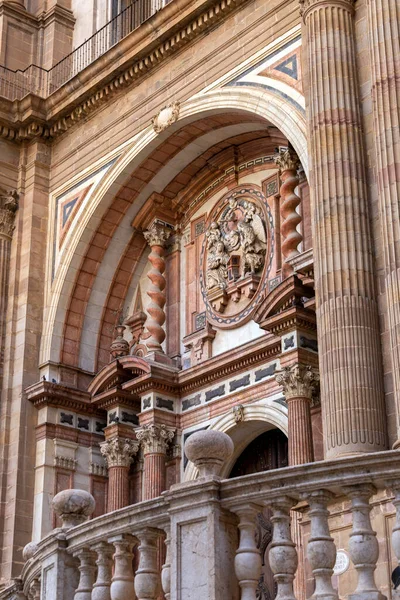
[236,256]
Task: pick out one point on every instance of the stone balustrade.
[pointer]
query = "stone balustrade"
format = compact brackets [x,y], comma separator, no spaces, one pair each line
[207,528]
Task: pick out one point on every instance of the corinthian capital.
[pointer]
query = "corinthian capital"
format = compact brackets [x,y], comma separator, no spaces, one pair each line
[157,235]
[119,452]
[155,438]
[287,160]
[298,381]
[8,208]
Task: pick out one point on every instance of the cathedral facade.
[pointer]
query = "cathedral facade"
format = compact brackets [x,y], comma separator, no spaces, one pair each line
[199,299]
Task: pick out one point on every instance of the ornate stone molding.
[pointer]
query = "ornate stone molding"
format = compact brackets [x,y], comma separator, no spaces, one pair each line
[287,160]
[157,235]
[8,207]
[99,470]
[65,462]
[298,381]
[119,452]
[306,6]
[119,346]
[139,68]
[155,438]
[166,117]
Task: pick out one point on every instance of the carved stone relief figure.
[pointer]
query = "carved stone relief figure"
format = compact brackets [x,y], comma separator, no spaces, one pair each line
[217,262]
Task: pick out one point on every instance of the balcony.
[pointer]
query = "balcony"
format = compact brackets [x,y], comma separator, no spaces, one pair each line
[197,541]
[14,85]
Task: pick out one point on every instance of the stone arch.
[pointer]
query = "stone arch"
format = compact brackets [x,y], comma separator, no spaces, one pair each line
[247,100]
[257,418]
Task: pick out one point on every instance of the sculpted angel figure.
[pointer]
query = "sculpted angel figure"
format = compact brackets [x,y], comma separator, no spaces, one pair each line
[213,235]
[217,262]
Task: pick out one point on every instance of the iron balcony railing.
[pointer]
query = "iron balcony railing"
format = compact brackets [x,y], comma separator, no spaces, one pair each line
[14,85]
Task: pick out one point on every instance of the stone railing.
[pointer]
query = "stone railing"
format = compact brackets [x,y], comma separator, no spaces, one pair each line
[197,541]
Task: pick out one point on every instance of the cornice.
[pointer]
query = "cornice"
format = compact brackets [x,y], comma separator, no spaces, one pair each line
[96,85]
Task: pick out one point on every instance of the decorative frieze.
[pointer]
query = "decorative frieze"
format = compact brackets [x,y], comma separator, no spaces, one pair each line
[98,470]
[166,117]
[65,462]
[119,452]
[155,438]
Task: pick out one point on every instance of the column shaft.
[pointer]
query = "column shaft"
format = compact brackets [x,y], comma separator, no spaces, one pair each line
[300,440]
[384,42]
[154,475]
[118,488]
[350,356]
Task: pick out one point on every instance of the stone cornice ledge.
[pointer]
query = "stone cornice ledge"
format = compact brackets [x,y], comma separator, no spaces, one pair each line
[133,57]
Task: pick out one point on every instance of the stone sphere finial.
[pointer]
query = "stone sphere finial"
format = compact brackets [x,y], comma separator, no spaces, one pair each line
[29,550]
[73,507]
[208,450]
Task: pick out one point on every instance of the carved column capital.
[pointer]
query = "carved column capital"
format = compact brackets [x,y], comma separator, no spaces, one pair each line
[298,381]
[306,6]
[8,207]
[157,235]
[119,452]
[287,160]
[155,438]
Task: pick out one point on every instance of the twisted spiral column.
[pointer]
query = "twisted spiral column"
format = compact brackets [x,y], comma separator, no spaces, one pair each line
[288,164]
[383,18]
[348,330]
[156,237]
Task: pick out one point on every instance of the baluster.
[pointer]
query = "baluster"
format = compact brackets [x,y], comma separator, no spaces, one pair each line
[166,568]
[363,545]
[101,589]
[147,580]
[395,487]
[321,549]
[248,562]
[283,554]
[122,583]
[87,570]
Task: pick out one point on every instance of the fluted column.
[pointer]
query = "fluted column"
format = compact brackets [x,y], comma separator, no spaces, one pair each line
[8,208]
[119,454]
[384,42]
[156,237]
[298,383]
[288,164]
[154,440]
[348,332]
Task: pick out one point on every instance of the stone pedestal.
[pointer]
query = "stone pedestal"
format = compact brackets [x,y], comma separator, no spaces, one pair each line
[154,439]
[119,453]
[298,383]
[348,329]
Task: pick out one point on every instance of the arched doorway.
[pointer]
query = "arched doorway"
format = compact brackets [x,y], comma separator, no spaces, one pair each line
[267,451]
